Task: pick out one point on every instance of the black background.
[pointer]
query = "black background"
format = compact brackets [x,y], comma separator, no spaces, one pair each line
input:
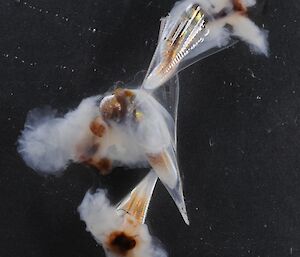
[239,132]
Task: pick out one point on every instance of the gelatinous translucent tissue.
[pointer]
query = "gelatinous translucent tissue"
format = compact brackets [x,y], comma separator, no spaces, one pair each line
[49,142]
[132,128]
[127,127]
[150,127]
[195,29]
[137,127]
[120,229]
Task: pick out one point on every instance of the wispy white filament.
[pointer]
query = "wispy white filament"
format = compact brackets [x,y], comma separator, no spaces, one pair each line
[48,142]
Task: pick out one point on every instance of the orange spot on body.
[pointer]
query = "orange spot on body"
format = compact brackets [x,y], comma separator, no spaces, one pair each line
[239,7]
[159,159]
[104,165]
[97,128]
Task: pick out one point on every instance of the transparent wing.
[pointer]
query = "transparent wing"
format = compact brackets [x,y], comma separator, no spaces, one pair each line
[156,58]
[164,163]
[168,97]
[162,106]
[203,51]
[165,166]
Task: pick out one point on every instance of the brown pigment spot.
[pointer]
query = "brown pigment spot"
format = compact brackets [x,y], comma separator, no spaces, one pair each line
[239,7]
[129,93]
[116,108]
[111,109]
[121,97]
[157,159]
[121,243]
[97,128]
[104,165]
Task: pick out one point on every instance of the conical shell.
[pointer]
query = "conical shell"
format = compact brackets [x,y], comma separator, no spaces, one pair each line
[136,203]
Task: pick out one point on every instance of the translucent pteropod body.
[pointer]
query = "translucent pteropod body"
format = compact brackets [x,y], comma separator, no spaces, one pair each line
[121,229]
[195,29]
[165,165]
[150,128]
[124,128]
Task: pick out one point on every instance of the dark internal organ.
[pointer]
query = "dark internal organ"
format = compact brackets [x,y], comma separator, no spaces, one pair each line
[239,7]
[116,107]
[184,38]
[104,165]
[88,151]
[120,242]
[97,127]
[126,239]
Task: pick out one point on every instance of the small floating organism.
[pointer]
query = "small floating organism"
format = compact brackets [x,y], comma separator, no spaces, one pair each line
[121,229]
[137,127]
[129,127]
[195,29]
[147,125]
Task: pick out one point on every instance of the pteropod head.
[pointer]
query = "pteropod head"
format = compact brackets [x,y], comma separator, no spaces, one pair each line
[117,106]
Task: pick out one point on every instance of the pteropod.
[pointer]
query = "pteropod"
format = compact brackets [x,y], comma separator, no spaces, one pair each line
[121,229]
[195,29]
[148,126]
[127,127]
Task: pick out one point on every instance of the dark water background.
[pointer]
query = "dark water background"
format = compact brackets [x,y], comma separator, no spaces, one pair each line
[239,132]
